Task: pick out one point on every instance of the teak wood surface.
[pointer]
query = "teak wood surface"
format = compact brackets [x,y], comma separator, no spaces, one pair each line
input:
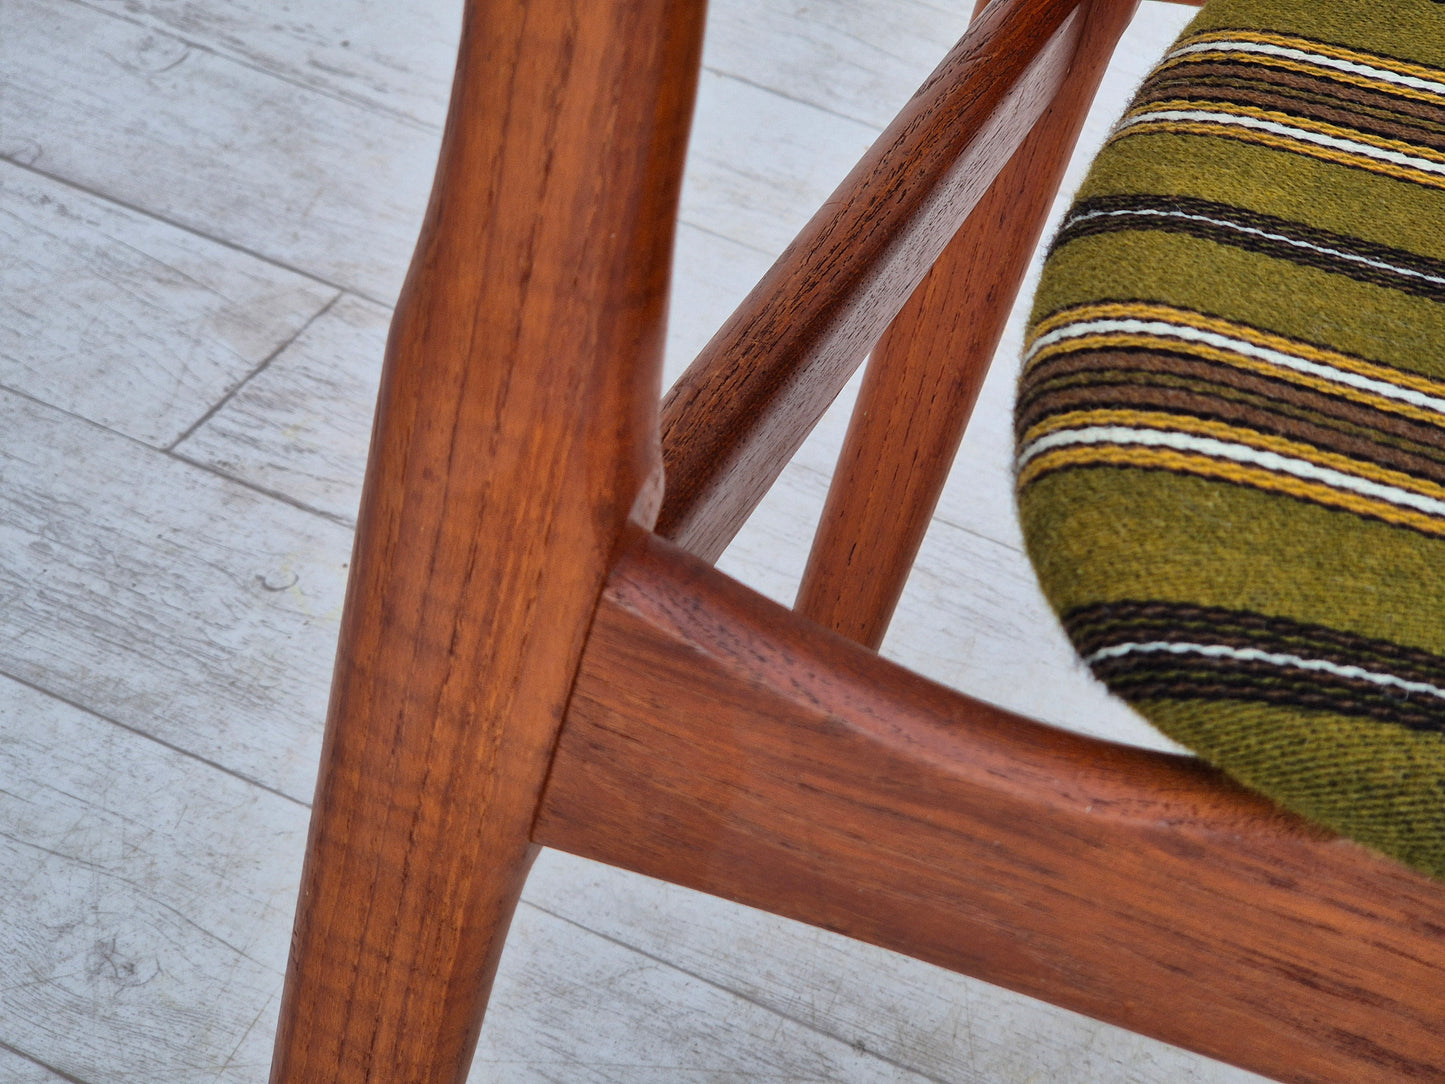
[925,374]
[752,754]
[486,701]
[516,435]
[742,409]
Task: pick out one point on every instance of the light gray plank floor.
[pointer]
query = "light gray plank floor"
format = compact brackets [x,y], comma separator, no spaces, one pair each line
[205,212]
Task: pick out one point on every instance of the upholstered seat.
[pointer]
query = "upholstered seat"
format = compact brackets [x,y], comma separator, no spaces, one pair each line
[1231,424]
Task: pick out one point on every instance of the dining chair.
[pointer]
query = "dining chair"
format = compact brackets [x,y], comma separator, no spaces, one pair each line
[536,650]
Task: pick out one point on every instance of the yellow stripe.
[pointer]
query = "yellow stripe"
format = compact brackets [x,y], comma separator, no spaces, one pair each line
[1225,471]
[1085,343]
[1335,52]
[1275,116]
[1275,141]
[1286,143]
[1251,438]
[1304,67]
[1280,344]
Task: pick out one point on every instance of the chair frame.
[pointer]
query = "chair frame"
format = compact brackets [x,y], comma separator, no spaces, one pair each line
[536,650]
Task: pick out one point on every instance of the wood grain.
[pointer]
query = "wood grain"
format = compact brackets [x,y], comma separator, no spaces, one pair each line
[127,321]
[165,598]
[634,1019]
[852,58]
[336,179]
[302,426]
[213,127]
[927,370]
[515,441]
[978,497]
[145,902]
[945,1026]
[332,188]
[143,927]
[137,587]
[20,1070]
[752,754]
[742,409]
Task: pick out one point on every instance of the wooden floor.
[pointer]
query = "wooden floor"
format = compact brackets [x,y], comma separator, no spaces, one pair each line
[205,211]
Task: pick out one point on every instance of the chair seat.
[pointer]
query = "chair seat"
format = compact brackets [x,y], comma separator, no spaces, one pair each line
[1231,423]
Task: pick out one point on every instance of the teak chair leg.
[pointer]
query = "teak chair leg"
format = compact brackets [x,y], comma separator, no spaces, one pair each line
[516,437]
[745,405]
[925,373]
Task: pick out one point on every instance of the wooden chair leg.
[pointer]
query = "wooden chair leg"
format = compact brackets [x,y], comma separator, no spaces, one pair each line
[734,419]
[516,437]
[925,373]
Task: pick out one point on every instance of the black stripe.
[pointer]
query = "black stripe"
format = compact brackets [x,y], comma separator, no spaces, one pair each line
[1325,696]
[1166,675]
[1379,108]
[1235,226]
[1381,99]
[1264,631]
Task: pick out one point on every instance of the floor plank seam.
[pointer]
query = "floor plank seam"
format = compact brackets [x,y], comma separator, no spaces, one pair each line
[29,397]
[682,220]
[944,521]
[720,73]
[60,1074]
[188,754]
[349,522]
[181,457]
[141,889]
[134,208]
[192,601]
[855,1044]
[407,118]
[255,372]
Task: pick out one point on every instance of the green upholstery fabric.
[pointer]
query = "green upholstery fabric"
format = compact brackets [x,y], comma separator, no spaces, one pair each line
[1231,423]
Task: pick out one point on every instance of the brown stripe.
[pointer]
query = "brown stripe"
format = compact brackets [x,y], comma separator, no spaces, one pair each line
[1223,383]
[1213,408]
[1379,99]
[1293,106]
[1327,107]
[1412,437]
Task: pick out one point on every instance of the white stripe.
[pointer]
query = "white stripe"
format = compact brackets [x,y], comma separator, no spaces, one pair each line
[1241,228]
[1238,346]
[1251,654]
[1349,145]
[1382,74]
[1237,453]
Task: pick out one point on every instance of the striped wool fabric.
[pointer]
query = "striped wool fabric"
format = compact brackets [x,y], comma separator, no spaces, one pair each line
[1231,420]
